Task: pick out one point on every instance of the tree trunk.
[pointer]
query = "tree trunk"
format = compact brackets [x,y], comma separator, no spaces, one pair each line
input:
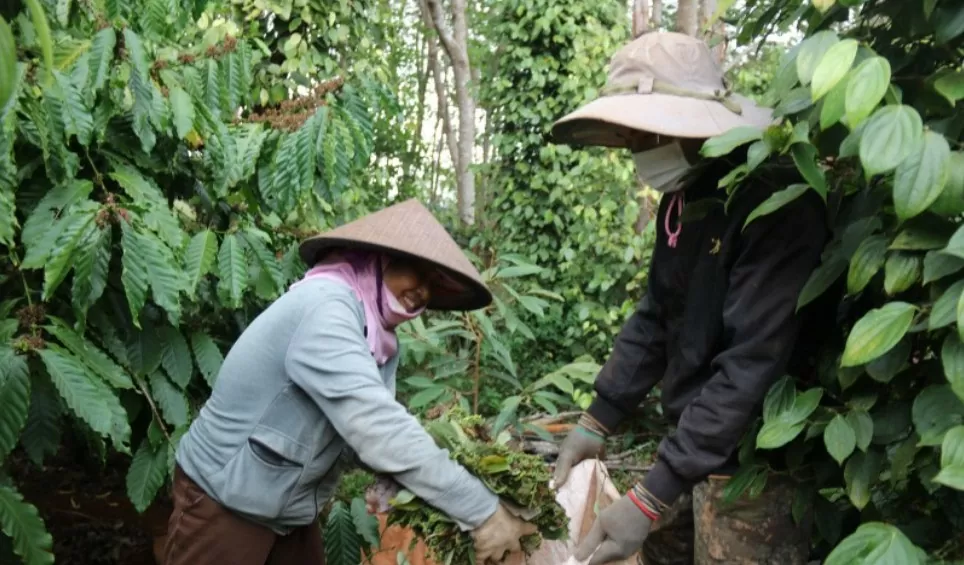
[687,17]
[657,14]
[456,46]
[640,17]
[438,78]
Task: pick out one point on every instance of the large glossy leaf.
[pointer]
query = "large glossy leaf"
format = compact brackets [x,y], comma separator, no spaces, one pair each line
[101,56]
[9,73]
[952,357]
[951,86]
[232,269]
[866,262]
[146,475]
[821,279]
[860,474]
[939,265]
[892,134]
[783,421]
[952,459]
[921,176]
[265,259]
[21,522]
[833,66]
[875,544]
[41,434]
[936,410]
[944,312]
[805,158]
[91,266]
[365,524]
[207,355]
[866,88]
[342,542]
[14,398]
[901,271]
[834,104]
[812,52]
[950,203]
[175,356]
[877,332]
[863,427]
[165,275]
[884,368]
[183,110]
[86,396]
[77,228]
[199,258]
[840,439]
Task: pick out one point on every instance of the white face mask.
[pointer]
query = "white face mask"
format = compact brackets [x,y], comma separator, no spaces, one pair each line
[662,168]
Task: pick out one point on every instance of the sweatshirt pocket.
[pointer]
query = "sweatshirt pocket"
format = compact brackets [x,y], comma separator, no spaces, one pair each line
[261,479]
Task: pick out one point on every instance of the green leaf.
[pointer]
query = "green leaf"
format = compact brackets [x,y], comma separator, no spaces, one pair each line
[135,276]
[77,116]
[821,279]
[874,543]
[21,522]
[42,31]
[143,105]
[863,427]
[15,399]
[425,397]
[834,105]
[901,272]
[9,73]
[951,86]
[833,66]
[169,400]
[776,201]
[725,144]
[199,258]
[175,356]
[939,265]
[944,312]
[207,355]
[922,176]
[741,482]
[892,134]
[779,399]
[96,360]
[952,459]
[866,263]
[41,434]
[101,57]
[923,234]
[866,88]
[516,271]
[78,228]
[877,332]
[183,109]
[783,421]
[165,276]
[812,51]
[952,357]
[840,439]
[860,474]
[951,201]
[884,368]
[342,542]
[776,434]
[86,396]
[146,475]
[232,269]
[509,407]
[936,410]
[365,524]
[90,270]
[266,260]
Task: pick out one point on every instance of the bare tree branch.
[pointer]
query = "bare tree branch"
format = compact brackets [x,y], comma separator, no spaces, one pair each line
[640,17]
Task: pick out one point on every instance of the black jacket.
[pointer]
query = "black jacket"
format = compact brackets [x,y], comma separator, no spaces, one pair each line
[717,326]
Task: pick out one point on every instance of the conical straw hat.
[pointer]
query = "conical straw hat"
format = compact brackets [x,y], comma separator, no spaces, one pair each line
[409,229]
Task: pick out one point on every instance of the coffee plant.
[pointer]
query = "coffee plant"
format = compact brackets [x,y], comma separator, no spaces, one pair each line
[150,205]
[869,111]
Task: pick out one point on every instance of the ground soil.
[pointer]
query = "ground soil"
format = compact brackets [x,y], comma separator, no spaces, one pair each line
[87,511]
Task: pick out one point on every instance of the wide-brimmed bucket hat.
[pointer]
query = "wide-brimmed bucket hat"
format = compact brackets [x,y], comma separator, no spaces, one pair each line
[662,83]
[409,230]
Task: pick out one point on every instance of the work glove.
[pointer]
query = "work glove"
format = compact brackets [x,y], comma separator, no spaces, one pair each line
[500,535]
[617,534]
[585,441]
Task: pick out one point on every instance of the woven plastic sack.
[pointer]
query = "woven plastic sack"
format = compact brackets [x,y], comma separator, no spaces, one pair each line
[587,491]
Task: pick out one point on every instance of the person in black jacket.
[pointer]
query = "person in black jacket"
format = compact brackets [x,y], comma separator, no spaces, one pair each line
[717,326]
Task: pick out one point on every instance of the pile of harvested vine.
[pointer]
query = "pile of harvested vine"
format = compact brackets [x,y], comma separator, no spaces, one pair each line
[517,477]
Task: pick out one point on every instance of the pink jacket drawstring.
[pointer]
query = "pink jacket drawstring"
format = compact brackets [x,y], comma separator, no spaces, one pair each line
[673,235]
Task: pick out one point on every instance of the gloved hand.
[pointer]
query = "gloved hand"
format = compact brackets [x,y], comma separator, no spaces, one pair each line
[500,535]
[583,442]
[617,533]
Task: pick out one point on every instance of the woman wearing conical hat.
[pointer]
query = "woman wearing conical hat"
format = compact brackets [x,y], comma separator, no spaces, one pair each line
[314,376]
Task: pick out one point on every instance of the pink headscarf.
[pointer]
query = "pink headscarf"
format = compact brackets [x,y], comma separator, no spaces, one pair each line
[362,271]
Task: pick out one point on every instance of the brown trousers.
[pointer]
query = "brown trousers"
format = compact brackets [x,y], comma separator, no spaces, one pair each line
[699,529]
[202,532]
